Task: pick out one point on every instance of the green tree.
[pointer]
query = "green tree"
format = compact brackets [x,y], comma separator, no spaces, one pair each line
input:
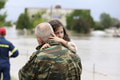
[37,18]
[105,20]
[24,21]
[2,3]
[2,17]
[115,23]
[98,26]
[80,21]
[8,23]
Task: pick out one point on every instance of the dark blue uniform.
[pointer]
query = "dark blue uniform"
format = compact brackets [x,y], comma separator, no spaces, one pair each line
[5,47]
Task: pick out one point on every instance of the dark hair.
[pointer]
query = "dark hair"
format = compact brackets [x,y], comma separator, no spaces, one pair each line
[55,25]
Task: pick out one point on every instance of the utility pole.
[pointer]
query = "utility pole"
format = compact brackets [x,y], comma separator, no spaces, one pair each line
[93,71]
[51,12]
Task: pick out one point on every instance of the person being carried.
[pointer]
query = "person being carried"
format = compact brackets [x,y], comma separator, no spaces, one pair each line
[54,63]
[5,47]
[60,36]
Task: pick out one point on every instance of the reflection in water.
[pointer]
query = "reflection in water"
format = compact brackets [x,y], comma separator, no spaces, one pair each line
[100,55]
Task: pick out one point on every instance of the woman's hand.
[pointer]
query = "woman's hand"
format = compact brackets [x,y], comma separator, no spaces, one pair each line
[55,38]
[45,46]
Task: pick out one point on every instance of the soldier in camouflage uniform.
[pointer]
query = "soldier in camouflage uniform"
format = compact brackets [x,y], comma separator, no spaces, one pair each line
[54,63]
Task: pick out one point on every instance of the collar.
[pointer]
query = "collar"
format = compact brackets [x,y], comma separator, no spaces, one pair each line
[2,37]
[38,47]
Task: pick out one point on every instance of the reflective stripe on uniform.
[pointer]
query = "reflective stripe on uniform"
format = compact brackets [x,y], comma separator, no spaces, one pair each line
[13,50]
[4,45]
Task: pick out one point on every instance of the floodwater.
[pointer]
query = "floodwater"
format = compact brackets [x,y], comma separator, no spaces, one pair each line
[100,56]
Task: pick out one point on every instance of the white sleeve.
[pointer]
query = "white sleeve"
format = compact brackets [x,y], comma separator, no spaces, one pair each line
[72,46]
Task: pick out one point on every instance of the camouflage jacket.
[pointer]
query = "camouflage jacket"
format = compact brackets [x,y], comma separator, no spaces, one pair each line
[54,63]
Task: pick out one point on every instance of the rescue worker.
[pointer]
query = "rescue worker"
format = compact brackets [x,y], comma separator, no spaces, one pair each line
[5,47]
[54,63]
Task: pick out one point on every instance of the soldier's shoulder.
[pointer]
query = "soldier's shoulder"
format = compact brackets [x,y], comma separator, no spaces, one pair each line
[52,52]
[75,57]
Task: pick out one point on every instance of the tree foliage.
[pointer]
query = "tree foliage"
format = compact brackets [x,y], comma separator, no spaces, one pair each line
[24,21]
[105,20]
[80,21]
[2,17]
[37,18]
[2,3]
[8,23]
[98,26]
[29,22]
[115,22]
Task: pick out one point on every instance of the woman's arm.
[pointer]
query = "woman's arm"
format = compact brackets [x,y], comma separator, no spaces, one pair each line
[69,45]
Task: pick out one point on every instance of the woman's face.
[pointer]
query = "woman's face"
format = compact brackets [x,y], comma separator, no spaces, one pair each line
[59,32]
